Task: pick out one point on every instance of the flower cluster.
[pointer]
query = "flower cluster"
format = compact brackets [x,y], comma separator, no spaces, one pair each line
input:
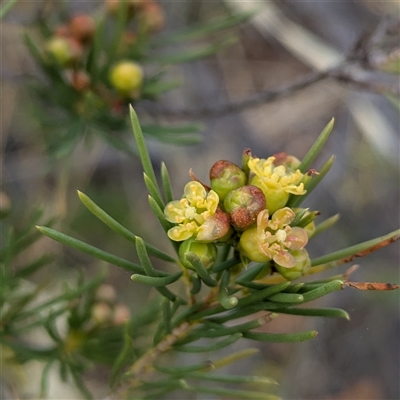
[247,208]
[72,46]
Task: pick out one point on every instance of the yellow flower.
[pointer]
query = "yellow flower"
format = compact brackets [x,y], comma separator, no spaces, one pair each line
[277,182]
[191,212]
[273,239]
[276,238]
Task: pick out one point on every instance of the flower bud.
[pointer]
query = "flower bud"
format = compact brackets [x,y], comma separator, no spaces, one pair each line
[152,17]
[207,252]
[105,293]
[101,313]
[215,227]
[131,6]
[291,163]
[243,206]
[80,80]
[121,314]
[82,28]
[248,246]
[303,264]
[127,77]
[226,176]
[62,31]
[66,51]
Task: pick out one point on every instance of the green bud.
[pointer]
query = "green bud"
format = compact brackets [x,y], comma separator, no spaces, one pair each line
[127,78]
[303,264]
[207,252]
[66,51]
[291,163]
[243,205]
[226,176]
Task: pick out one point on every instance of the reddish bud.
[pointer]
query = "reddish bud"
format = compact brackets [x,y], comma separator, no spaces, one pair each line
[82,28]
[243,205]
[226,176]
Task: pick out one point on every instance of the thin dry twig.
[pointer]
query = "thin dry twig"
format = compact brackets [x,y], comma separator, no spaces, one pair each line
[371,286]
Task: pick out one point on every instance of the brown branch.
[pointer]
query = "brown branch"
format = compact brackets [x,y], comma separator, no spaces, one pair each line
[371,286]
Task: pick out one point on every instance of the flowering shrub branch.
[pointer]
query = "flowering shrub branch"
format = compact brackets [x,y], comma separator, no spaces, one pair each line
[244,238]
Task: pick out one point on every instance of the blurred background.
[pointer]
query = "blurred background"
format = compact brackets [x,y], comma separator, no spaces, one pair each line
[284,42]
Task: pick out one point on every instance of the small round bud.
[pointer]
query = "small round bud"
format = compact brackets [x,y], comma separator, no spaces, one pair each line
[243,205]
[152,17]
[106,293]
[121,314]
[80,80]
[66,51]
[226,176]
[207,252]
[126,77]
[101,313]
[82,28]
[303,264]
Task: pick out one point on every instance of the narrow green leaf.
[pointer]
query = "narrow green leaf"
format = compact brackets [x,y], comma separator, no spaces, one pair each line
[166,182]
[120,27]
[308,219]
[323,290]
[193,55]
[218,267]
[353,250]
[281,337]
[204,29]
[6,7]
[124,356]
[200,269]
[142,148]
[286,298]
[260,380]
[324,225]
[154,89]
[158,212]
[149,269]
[118,228]
[299,215]
[44,381]
[263,294]
[315,312]
[34,266]
[70,295]
[156,282]
[251,273]
[316,147]
[77,377]
[225,300]
[294,288]
[295,201]
[211,347]
[203,366]
[196,284]
[224,331]
[91,250]
[154,191]
[166,309]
